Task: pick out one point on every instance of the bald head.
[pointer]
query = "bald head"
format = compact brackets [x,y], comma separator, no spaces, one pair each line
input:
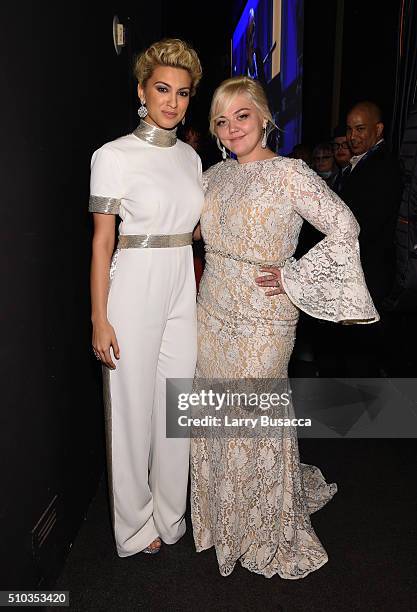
[364,126]
[368,107]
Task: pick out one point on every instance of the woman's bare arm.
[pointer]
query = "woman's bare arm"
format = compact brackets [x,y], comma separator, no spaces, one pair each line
[104,335]
[197,232]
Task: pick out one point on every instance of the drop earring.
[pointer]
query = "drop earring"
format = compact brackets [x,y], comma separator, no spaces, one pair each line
[142,110]
[183,120]
[222,148]
[265,134]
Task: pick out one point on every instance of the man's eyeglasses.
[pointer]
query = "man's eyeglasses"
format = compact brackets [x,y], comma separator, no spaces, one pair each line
[339,145]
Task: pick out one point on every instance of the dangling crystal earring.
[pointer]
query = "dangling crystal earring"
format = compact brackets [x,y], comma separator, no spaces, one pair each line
[222,149]
[142,110]
[183,120]
[265,134]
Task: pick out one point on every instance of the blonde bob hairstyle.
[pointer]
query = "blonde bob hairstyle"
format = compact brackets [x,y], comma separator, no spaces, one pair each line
[230,89]
[168,52]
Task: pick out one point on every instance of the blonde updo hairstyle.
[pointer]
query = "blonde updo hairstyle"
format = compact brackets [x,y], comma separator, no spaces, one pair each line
[230,89]
[168,52]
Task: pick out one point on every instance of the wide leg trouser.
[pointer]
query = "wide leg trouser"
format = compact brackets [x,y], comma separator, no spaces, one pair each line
[153,311]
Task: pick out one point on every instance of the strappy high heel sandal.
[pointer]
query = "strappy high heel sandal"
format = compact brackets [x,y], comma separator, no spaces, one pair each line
[153,551]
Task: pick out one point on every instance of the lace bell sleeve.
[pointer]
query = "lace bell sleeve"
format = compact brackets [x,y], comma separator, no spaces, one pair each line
[106,184]
[327,282]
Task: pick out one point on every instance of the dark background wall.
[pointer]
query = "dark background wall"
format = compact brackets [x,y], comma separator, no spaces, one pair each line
[318,69]
[64,93]
[369,53]
[368,60]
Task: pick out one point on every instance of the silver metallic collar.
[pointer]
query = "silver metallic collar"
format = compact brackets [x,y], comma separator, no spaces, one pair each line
[156,136]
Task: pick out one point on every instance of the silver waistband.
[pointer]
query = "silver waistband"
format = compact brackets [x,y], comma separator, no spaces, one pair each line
[154,241]
[254,262]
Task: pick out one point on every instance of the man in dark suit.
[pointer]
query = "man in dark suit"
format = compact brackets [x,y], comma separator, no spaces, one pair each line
[372,189]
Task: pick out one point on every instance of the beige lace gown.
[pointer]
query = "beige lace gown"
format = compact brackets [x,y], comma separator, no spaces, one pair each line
[251,498]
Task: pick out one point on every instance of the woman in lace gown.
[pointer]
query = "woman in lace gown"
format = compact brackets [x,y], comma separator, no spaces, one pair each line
[251,497]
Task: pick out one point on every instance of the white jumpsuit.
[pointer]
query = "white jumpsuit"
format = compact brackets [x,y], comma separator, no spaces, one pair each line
[151,305]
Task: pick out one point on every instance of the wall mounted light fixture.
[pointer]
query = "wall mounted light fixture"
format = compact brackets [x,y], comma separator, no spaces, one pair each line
[119,38]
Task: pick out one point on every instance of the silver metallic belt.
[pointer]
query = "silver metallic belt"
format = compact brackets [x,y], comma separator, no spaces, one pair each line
[154,241]
[254,262]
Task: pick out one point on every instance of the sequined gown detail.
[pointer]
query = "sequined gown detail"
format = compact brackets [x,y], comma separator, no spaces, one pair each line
[251,498]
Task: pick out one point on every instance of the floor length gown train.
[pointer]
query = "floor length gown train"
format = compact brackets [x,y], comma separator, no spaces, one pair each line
[251,498]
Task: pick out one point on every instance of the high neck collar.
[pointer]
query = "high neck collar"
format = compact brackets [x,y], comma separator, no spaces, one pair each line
[156,136]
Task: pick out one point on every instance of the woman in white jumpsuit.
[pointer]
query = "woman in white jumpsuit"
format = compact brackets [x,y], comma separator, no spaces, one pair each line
[146,312]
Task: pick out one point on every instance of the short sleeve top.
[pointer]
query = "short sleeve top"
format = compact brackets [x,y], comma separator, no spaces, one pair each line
[155,190]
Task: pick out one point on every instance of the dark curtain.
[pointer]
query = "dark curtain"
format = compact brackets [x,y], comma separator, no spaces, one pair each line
[404,144]
[406,77]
